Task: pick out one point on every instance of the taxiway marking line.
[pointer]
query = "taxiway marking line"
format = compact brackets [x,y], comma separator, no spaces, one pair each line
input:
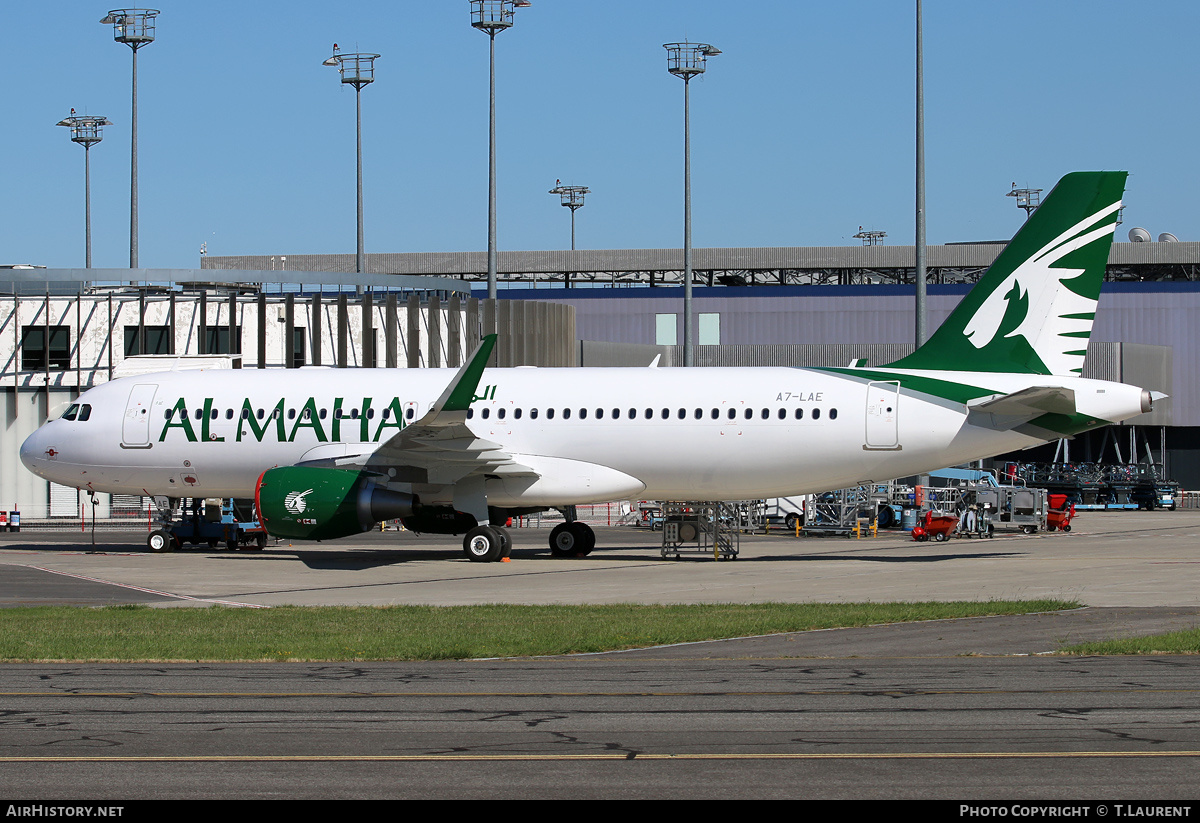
[415,758]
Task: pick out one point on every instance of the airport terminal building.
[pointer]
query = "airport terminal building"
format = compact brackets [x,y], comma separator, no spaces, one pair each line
[63,331]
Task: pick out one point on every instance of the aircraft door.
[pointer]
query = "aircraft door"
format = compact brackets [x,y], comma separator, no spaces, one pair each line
[135,428]
[883,415]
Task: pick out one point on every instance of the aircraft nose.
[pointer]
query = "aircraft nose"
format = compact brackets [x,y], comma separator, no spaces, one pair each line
[33,450]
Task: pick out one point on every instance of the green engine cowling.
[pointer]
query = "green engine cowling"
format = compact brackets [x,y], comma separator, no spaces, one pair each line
[323,504]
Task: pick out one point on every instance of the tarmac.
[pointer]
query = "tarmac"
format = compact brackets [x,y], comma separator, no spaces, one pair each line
[1136,572]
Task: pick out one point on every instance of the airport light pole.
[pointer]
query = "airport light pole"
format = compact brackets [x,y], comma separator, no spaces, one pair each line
[356,70]
[685,61]
[572,198]
[919,243]
[86,130]
[134,28]
[493,17]
[1027,199]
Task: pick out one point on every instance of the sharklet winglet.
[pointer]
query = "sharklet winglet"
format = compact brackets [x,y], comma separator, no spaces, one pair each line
[458,395]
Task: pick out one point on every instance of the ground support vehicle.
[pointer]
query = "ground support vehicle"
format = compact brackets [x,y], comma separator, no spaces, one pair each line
[940,527]
[1018,507]
[216,522]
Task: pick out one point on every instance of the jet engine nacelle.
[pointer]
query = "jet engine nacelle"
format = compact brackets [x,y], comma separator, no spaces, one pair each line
[322,504]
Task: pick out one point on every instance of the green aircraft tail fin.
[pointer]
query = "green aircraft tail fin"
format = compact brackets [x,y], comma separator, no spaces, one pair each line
[1032,311]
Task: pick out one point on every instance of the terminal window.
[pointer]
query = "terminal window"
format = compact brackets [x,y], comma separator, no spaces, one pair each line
[40,351]
[157,340]
[216,340]
[666,329]
[709,329]
[298,351]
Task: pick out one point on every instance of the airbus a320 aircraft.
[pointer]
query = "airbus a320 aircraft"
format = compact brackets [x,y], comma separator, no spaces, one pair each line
[327,454]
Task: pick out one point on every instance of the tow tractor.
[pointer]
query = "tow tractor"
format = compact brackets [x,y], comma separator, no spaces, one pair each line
[213,521]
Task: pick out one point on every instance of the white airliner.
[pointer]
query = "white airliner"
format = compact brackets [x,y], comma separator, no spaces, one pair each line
[327,454]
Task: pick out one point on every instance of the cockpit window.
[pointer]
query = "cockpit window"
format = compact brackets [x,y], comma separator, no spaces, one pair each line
[71,411]
[85,412]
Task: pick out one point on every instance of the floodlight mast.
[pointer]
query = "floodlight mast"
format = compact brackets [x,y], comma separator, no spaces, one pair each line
[686,60]
[493,17]
[870,237]
[1027,199]
[919,273]
[572,198]
[86,130]
[134,28]
[356,70]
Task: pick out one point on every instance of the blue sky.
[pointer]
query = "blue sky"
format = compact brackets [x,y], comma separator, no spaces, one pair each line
[802,129]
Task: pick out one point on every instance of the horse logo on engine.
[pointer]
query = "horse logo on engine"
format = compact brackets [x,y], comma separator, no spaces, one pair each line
[295,502]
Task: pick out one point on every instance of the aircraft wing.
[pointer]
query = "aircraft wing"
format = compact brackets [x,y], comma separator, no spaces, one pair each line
[439,448]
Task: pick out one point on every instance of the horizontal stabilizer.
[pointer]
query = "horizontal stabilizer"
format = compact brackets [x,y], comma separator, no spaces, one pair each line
[1036,400]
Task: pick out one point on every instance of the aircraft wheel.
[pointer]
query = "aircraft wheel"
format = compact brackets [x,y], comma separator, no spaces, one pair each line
[563,540]
[483,544]
[505,541]
[572,540]
[587,537]
[161,541]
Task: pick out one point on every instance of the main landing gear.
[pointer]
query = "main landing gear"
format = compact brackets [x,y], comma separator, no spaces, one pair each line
[487,544]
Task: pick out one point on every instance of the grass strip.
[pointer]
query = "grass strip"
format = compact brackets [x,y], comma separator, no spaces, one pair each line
[1186,641]
[329,633]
